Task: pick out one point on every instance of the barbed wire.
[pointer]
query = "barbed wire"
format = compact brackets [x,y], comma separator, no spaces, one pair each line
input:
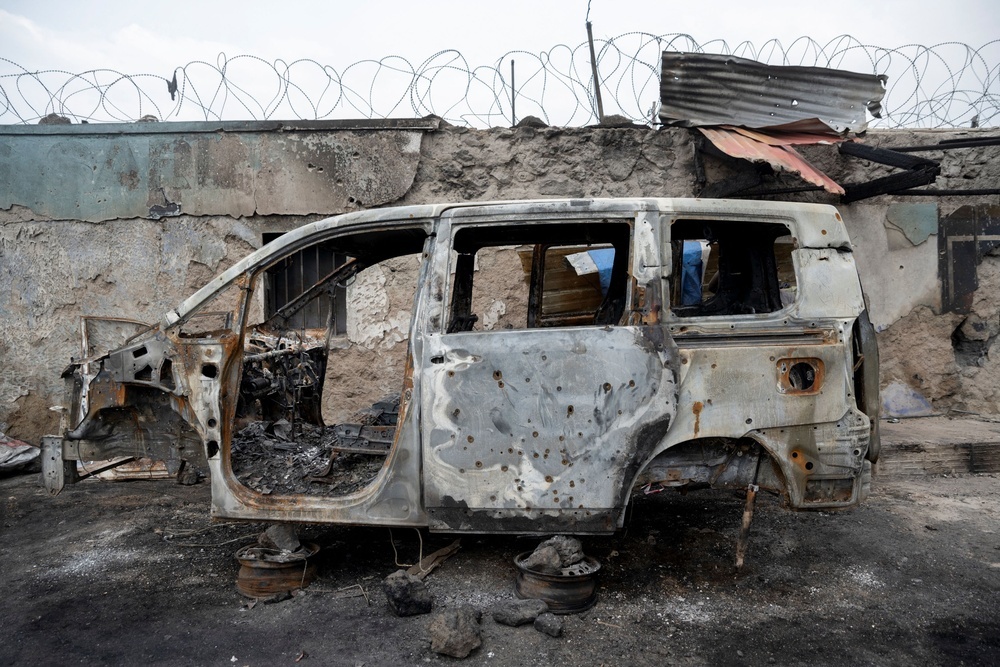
[947,85]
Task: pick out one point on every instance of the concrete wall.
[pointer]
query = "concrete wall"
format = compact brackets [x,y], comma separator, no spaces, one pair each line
[127,220]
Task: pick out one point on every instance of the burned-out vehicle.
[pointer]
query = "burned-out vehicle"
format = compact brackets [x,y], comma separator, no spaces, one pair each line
[494,367]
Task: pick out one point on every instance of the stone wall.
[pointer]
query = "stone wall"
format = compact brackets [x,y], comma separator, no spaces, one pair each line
[126,221]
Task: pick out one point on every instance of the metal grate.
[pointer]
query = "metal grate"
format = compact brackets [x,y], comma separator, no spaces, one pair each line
[296,274]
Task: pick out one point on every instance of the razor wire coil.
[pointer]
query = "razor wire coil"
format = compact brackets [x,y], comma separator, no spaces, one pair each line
[947,85]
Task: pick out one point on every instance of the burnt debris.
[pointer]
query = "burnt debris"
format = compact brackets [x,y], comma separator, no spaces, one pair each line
[299,457]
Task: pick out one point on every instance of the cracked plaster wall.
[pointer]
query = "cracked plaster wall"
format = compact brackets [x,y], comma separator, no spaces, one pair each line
[53,271]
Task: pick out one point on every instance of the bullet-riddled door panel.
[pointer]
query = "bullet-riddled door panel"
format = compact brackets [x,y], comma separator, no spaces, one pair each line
[540,401]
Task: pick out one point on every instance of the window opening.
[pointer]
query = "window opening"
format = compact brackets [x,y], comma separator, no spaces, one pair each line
[731,268]
[539,275]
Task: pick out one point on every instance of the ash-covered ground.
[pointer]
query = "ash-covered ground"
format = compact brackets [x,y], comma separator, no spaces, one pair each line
[136,573]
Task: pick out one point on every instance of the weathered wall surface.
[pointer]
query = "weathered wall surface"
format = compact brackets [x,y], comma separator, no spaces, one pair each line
[76,234]
[52,272]
[63,172]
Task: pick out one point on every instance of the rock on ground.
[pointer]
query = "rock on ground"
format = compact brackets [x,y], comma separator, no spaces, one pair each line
[456,632]
[550,624]
[543,559]
[282,537]
[519,612]
[569,549]
[407,595]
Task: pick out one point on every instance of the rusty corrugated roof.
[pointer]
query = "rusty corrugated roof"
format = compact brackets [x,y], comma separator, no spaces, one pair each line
[699,89]
[775,149]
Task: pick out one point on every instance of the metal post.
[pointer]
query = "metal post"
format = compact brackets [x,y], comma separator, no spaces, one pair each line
[593,68]
[513,115]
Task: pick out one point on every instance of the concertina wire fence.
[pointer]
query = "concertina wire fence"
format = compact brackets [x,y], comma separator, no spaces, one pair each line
[947,85]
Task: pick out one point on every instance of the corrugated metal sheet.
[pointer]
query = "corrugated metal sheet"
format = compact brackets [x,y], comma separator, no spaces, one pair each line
[775,138]
[780,155]
[707,89]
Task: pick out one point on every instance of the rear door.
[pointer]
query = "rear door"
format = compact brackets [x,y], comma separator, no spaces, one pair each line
[547,377]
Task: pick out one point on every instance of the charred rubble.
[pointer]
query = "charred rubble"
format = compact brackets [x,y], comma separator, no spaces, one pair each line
[299,457]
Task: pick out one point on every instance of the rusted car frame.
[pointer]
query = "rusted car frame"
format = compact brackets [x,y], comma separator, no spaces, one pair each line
[761,369]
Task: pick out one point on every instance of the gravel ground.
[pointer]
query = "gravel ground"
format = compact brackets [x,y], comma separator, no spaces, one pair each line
[135,573]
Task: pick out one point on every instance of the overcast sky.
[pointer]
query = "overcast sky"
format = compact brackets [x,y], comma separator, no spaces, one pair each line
[125,34]
[137,37]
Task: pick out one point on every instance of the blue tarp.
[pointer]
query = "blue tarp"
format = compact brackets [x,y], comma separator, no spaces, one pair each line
[690,276]
[691,272]
[604,259]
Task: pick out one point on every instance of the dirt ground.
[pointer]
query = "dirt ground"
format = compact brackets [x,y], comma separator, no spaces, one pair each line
[912,577]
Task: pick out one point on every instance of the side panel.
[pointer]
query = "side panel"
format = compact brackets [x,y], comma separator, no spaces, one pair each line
[544,429]
[783,379]
[541,430]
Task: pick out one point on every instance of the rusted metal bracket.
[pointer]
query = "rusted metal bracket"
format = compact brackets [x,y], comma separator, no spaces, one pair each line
[741,544]
[430,562]
[918,171]
[359,439]
[93,472]
[55,471]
